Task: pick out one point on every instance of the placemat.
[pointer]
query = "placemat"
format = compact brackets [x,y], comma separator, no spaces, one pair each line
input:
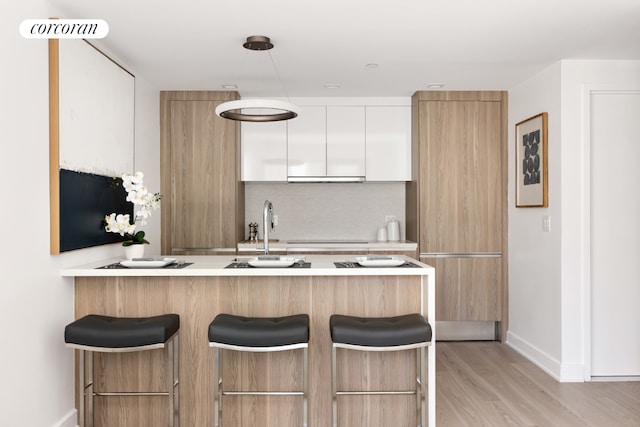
[246,265]
[353,264]
[175,266]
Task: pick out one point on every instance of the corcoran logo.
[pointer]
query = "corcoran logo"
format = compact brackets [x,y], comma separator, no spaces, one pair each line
[64,28]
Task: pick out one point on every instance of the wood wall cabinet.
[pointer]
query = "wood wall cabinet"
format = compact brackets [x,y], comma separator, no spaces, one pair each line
[457,200]
[203,196]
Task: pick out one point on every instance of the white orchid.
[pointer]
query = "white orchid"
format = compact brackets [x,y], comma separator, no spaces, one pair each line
[139,195]
[119,224]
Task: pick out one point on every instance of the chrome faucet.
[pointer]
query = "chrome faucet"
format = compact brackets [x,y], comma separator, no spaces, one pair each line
[267,217]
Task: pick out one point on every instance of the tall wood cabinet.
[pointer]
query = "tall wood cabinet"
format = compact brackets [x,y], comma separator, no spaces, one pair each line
[202,193]
[457,201]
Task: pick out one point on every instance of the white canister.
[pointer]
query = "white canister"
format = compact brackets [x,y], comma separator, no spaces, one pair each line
[393,231]
[382,234]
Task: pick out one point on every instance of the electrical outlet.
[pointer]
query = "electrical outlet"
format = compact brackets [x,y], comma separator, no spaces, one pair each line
[275,220]
[388,218]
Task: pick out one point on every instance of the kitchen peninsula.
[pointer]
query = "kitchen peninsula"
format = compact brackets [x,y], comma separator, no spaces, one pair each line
[207,286]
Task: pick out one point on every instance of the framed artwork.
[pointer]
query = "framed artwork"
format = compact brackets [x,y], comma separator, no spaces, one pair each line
[531,162]
[91,140]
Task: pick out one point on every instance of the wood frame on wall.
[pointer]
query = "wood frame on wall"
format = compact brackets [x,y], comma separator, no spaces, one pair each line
[54,146]
[531,162]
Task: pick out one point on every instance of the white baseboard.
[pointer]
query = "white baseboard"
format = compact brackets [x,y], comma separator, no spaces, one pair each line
[561,372]
[69,420]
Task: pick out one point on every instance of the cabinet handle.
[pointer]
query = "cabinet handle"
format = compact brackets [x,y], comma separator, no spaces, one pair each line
[461,255]
[233,250]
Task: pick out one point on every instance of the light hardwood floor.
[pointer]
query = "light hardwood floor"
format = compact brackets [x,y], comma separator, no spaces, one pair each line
[489,384]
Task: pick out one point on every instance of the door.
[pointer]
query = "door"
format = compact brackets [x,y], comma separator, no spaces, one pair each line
[388,135]
[466,287]
[264,150]
[461,172]
[203,171]
[307,143]
[615,234]
[345,141]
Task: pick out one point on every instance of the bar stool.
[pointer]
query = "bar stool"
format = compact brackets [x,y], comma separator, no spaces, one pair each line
[258,334]
[397,333]
[106,334]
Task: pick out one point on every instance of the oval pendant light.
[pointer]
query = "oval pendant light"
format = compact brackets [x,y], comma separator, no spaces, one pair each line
[241,110]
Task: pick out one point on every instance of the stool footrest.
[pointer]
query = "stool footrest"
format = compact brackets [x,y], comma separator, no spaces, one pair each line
[263,393]
[130,393]
[399,392]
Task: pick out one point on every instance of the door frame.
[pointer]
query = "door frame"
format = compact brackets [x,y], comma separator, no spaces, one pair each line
[588,91]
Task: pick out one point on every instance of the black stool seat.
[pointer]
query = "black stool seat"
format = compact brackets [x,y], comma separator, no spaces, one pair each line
[121,332]
[259,331]
[380,331]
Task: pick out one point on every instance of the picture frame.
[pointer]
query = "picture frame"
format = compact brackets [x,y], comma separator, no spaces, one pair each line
[91,141]
[531,162]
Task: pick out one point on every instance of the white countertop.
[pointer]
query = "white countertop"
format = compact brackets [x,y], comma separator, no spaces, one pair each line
[321,265]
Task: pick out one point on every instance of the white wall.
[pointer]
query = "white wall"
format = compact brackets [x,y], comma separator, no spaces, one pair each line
[35,302]
[534,255]
[547,306]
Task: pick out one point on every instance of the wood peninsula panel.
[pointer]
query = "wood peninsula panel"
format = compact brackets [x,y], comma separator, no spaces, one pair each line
[198,299]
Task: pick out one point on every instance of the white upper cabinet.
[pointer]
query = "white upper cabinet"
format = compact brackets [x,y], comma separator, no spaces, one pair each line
[388,133]
[264,151]
[307,142]
[345,141]
[327,142]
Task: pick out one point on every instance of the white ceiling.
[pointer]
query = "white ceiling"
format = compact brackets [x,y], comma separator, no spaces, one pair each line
[464,44]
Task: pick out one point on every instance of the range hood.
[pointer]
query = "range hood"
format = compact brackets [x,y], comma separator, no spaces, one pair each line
[329,179]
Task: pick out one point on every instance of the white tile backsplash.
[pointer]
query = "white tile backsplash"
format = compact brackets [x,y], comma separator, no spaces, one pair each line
[326,211]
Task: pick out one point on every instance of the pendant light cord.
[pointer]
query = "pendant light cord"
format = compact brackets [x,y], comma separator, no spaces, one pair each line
[278,75]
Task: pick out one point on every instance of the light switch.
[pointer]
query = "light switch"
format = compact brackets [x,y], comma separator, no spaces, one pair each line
[546,223]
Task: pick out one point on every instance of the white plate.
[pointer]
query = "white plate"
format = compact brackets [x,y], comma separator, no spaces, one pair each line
[379,262]
[148,262]
[282,262]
